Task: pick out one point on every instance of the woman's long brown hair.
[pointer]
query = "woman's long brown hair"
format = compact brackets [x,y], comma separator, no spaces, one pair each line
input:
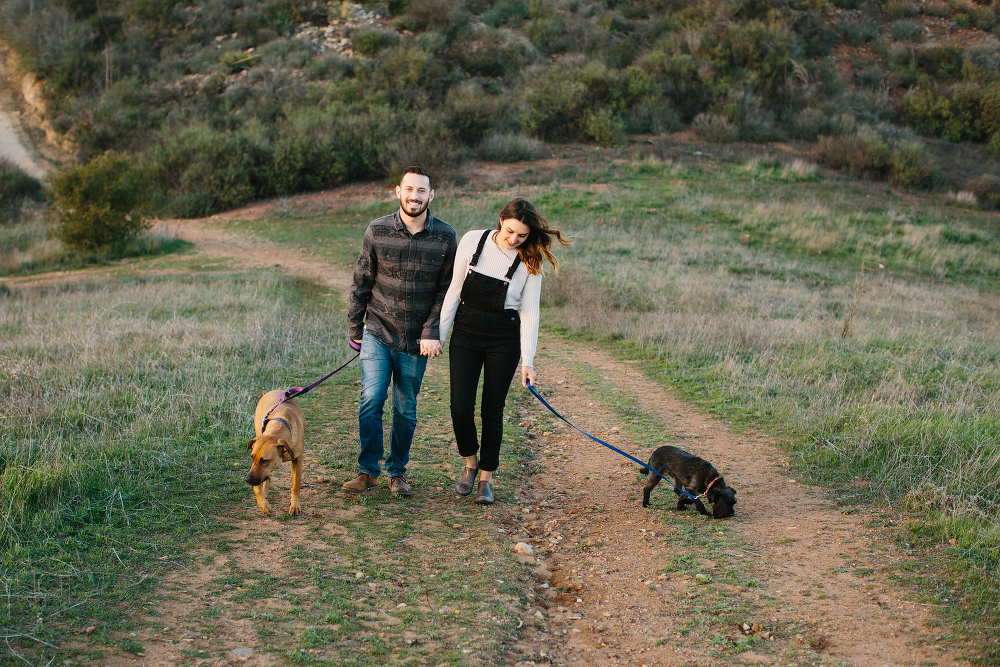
[536,247]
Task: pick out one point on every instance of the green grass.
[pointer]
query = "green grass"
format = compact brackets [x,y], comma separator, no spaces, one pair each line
[126,404]
[26,248]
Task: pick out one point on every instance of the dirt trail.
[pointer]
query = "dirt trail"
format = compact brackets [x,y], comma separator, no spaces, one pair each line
[819,585]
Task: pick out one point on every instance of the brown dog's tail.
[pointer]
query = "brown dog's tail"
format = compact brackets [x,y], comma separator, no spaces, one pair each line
[644,471]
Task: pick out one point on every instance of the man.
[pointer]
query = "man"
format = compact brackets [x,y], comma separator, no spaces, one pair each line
[394,309]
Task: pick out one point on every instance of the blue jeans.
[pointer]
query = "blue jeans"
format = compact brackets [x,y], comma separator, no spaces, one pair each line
[381,364]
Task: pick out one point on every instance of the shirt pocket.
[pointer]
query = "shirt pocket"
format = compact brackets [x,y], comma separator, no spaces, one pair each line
[434,259]
[391,258]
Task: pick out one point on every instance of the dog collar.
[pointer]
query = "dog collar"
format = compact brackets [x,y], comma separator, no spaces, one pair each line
[705,493]
[263,424]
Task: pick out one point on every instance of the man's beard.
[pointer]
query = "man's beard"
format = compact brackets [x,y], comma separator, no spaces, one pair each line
[420,211]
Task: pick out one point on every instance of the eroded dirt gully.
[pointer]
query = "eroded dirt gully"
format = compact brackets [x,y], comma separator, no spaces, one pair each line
[815,577]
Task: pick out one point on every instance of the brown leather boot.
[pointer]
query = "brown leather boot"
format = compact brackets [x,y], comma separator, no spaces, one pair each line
[400,486]
[463,486]
[361,483]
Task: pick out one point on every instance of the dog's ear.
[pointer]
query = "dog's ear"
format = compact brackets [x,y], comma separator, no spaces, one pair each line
[250,443]
[285,450]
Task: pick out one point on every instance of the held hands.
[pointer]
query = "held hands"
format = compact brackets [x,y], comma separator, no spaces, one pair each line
[430,347]
[527,375]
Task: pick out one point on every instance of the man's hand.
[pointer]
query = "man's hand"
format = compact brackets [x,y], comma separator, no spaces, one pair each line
[527,375]
[355,344]
[430,347]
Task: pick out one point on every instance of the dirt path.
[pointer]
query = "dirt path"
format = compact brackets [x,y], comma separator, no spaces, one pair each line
[809,581]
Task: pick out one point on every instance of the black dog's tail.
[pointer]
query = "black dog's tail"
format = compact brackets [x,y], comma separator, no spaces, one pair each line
[644,471]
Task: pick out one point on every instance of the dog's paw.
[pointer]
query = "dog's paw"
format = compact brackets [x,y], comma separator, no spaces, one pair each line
[294,508]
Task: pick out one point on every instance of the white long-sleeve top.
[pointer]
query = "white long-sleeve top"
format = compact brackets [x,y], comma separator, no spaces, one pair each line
[523,294]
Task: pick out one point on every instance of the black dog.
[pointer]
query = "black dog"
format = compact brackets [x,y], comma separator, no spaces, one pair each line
[695,476]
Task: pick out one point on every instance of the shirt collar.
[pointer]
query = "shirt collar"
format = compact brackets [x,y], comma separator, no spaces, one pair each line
[428,226]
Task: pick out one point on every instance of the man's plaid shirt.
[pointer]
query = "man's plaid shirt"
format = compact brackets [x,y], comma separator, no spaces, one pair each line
[400,281]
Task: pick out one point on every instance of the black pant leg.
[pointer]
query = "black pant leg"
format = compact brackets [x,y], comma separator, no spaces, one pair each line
[500,365]
[465,365]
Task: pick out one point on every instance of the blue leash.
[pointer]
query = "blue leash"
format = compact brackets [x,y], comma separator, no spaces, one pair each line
[531,388]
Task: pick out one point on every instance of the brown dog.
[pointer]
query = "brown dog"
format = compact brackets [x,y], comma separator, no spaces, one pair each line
[282,438]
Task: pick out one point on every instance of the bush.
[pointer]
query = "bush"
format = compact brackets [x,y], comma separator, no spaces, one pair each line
[604,127]
[995,145]
[906,30]
[509,148]
[858,31]
[938,8]
[506,11]
[97,205]
[910,166]
[16,189]
[715,128]
[951,114]
[472,111]
[986,187]
[372,42]
[863,153]
[894,10]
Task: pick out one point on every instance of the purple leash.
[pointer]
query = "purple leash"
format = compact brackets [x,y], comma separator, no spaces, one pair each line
[298,391]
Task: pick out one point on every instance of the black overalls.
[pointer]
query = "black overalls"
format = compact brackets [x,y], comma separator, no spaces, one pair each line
[486,340]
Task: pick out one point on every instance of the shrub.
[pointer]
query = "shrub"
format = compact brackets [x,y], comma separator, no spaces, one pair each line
[894,10]
[943,62]
[863,153]
[16,188]
[810,123]
[493,52]
[910,166]
[989,111]
[652,116]
[603,127]
[506,11]
[986,188]
[97,205]
[50,42]
[509,148]
[762,48]
[906,30]
[555,106]
[951,114]
[995,145]
[715,128]
[938,8]
[372,42]
[471,111]
[858,31]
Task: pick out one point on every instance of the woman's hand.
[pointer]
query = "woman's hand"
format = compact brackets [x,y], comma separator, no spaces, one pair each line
[527,375]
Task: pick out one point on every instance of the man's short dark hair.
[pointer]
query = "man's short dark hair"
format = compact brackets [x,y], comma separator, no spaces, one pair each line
[420,171]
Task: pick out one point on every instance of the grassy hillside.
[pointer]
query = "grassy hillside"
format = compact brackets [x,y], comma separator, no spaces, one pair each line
[224,101]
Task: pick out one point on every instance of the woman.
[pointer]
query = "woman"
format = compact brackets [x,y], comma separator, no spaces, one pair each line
[493,302]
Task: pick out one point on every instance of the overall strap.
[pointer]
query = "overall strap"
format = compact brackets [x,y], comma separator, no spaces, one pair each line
[513,267]
[479,250]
